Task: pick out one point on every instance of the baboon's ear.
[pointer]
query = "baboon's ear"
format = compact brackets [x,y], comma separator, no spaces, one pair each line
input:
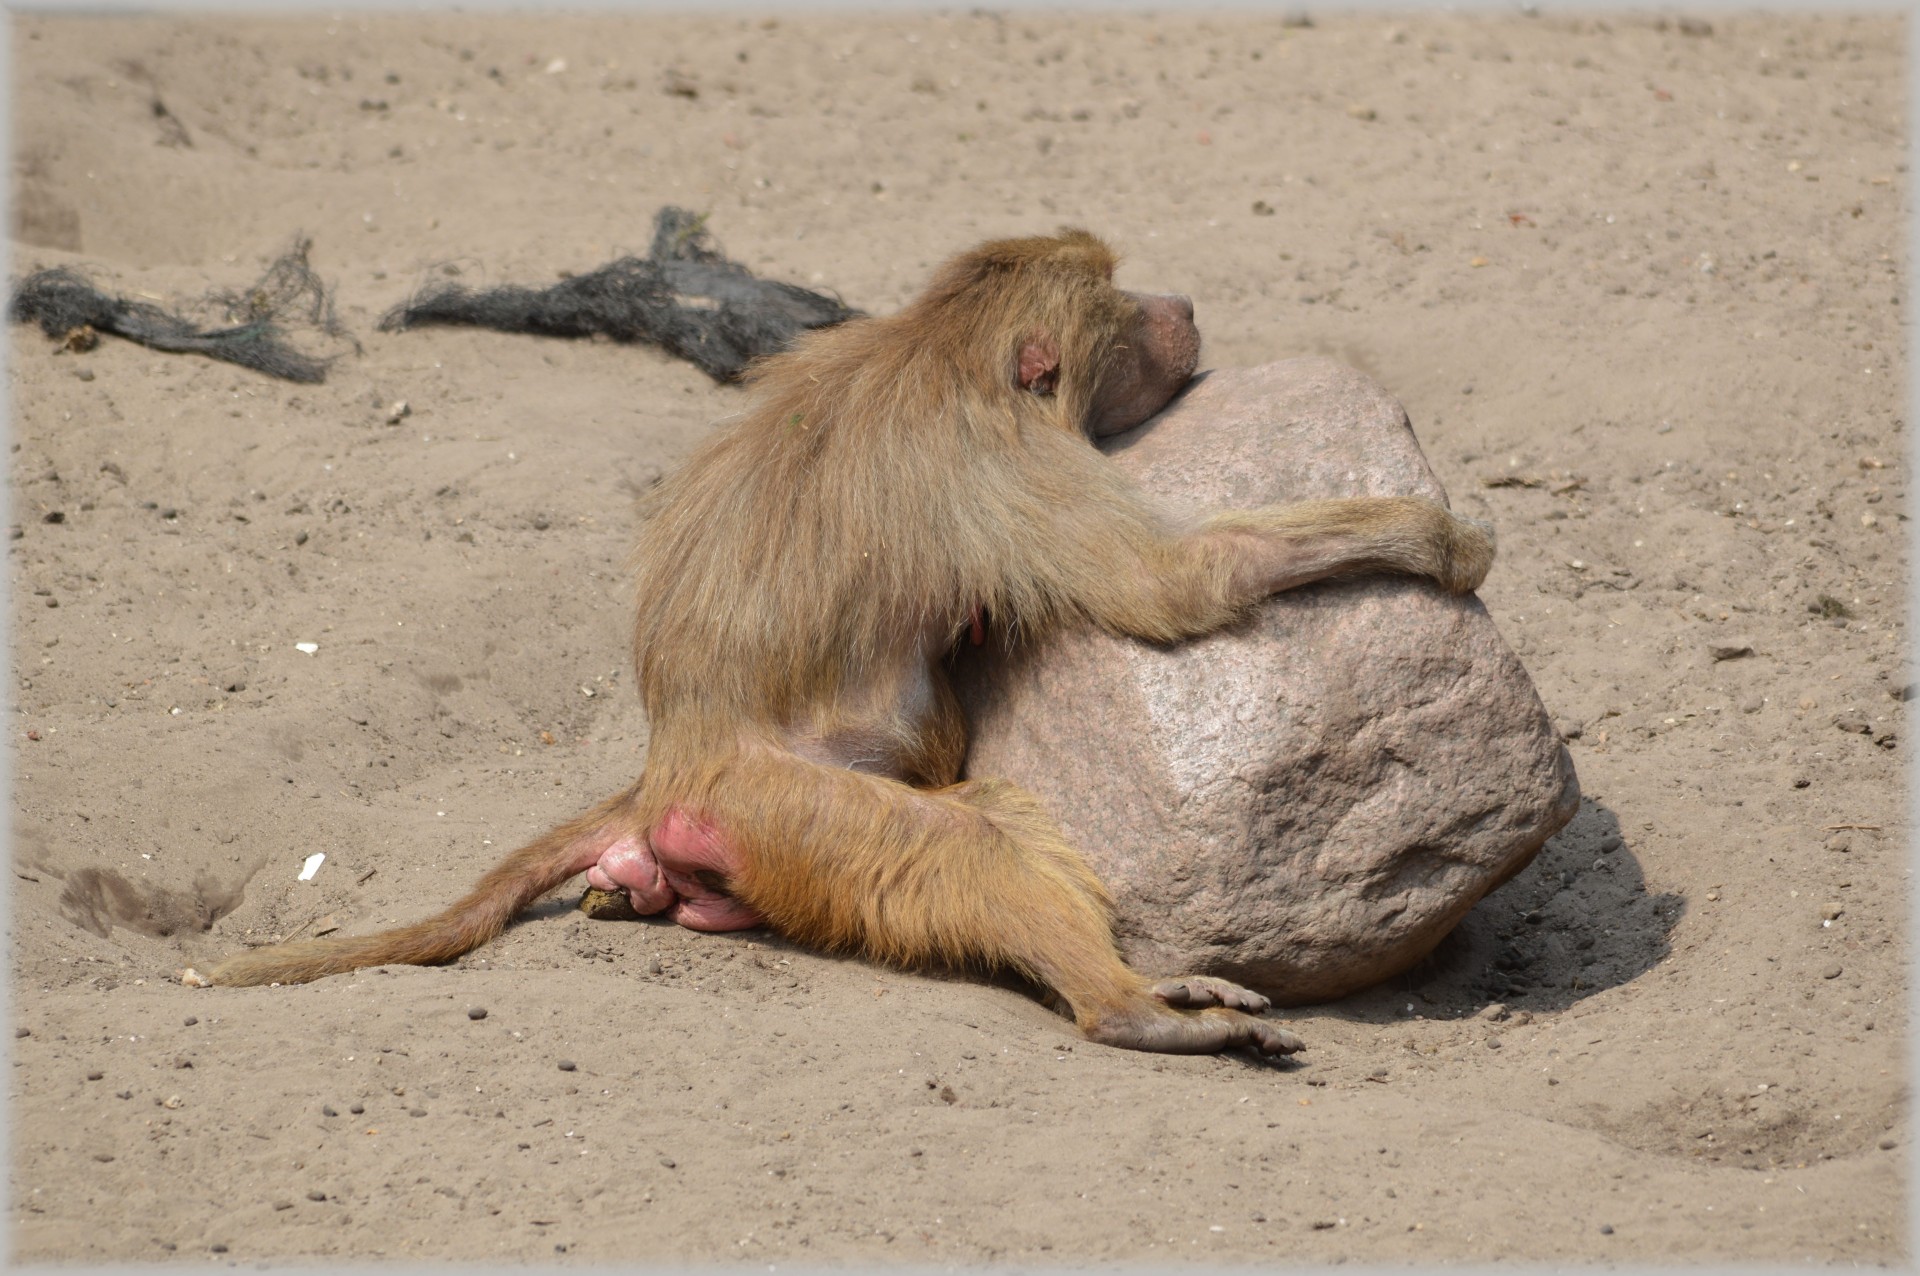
[1039,364]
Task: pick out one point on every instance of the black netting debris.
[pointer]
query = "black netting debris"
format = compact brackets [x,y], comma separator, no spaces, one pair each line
[69,308]
[684,296]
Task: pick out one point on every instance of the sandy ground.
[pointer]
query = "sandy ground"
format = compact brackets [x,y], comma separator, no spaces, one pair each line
[1640,285]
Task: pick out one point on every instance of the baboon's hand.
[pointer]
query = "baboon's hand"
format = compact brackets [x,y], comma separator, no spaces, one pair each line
[1465,554]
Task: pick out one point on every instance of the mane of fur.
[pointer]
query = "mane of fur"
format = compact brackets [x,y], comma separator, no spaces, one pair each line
[891,468]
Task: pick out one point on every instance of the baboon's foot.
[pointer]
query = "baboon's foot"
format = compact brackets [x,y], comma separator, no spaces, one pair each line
[1193,992]
[1165,1030]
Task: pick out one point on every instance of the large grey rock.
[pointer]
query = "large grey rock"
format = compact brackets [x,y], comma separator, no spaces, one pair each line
[1309,802]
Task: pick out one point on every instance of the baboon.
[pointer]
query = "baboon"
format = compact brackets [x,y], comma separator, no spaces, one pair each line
[902,484]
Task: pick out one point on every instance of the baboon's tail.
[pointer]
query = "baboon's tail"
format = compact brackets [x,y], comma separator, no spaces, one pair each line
[482,913]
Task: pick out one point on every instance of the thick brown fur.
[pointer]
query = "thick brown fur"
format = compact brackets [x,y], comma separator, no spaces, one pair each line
[802,578]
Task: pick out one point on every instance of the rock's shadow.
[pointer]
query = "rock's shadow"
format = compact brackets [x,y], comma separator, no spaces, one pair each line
[1577,920]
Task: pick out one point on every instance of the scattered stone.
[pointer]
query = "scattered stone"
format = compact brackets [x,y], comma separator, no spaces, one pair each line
[1840,842]
[1568,729]
[1831,911]
[1606,1229]
[1888,1145]
[357,1109]
[416,1112]
[1730,650]
[326,1109]
[612,906]
[668,1162]
[316,1195]
[22,1032]
[476,1012]
[95,1076]
[1496,1011]
[282,1205]
[218,1247]
[1310,802]
[1853,723]
[1831,972]
[567,1065]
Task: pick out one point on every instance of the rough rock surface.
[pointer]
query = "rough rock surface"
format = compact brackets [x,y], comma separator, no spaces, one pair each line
[1310,802]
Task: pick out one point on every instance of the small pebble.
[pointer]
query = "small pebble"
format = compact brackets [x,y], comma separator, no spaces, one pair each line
[326,1109]
[1831,972]
[1888,1145]
[1606,1229]
[567,1065]
[282,1205]
[192,1020]
[316,1195]
[417,1112]
[95,1076]
[103,1157]
[218,1247]
[476,1012]
[1831,911]
[668,1162]
[357,1109]
[1610,843]
[1729,650]
[22,1032]
[124,1094]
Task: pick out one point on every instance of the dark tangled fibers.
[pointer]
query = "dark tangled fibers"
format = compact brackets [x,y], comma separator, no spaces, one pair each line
[684,296]
[68,307]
